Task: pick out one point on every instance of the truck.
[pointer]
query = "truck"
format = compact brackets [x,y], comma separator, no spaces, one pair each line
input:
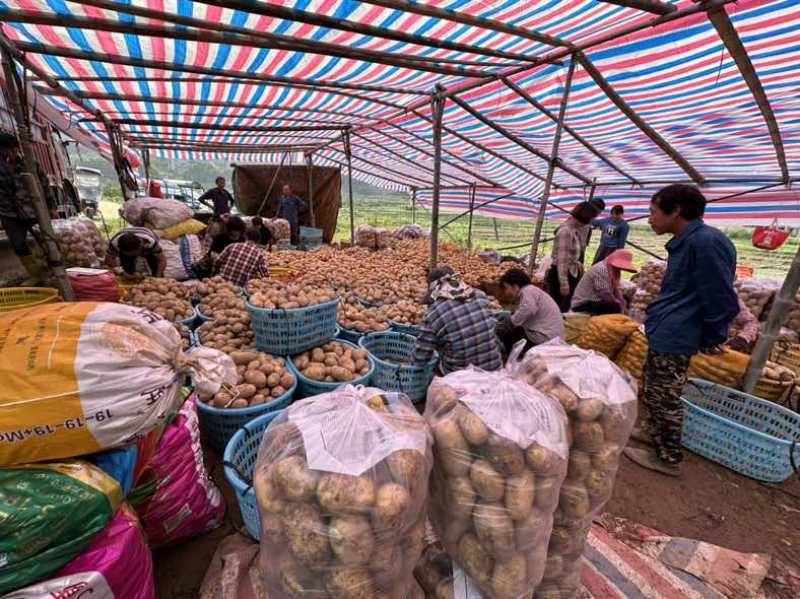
[88,184]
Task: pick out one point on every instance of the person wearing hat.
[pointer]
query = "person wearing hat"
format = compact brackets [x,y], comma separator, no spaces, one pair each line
[458,325]
[598,291]
[568,247]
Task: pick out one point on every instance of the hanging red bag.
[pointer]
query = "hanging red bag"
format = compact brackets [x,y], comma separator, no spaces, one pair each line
[771,237]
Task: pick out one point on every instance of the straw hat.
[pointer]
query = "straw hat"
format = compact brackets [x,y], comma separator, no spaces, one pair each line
[622,259]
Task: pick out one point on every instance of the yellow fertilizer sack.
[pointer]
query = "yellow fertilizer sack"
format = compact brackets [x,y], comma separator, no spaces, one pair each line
[190,226]
[726,368]
[82,377]
[607,333]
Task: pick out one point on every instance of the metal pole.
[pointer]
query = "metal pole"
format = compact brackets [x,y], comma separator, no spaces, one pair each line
[348,153]
[414,205]
[537,233]
[146,163]
[32,182]
[471,211]
[310,170]
[437,108]
[784,300]
[116,155]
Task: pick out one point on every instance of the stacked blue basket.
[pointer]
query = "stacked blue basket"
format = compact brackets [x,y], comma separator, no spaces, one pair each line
[391,353]
[750,435]
[404,327]
[349,335]
[240,460]
[282,332]
[220,424]
[307,387]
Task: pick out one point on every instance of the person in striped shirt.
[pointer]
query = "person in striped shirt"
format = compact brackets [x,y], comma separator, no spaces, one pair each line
[240,262]
[568,248]
[132,243]
[598,291]
[458,325]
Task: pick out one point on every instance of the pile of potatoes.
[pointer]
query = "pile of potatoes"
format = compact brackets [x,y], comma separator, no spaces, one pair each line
[356,317]
[343,521]
[406,312]
[601,408]
[500,452]
[288,296]
[648,286]
[166,297]
[756,294]
[333,362]
[214,304]
[261,378]
[230,331]
[79,242]
[214,286]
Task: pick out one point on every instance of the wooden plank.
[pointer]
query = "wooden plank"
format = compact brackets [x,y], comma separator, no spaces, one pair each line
[637,120]
[722,23]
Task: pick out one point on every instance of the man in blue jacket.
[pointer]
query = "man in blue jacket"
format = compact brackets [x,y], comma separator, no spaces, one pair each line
[692,313]
[615,233]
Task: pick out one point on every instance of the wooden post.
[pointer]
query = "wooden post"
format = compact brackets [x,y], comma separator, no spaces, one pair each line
[271,185]
[784,300]
[471,211]
[437,108]
[310,170]
[414,205]
[146,163]
[537,233]
[348,154]
[32,183]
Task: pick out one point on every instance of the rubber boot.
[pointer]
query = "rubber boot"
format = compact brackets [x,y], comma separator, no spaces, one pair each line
[35,270]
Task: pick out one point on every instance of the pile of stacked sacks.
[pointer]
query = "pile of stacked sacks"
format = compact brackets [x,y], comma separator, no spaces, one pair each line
[99,448]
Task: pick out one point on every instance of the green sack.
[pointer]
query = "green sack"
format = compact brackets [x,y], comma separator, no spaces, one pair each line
[49,514]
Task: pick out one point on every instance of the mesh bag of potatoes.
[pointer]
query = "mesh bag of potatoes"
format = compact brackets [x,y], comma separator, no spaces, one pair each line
[341,481]
[726,368]
[500,455]
[607,333]
[600,404]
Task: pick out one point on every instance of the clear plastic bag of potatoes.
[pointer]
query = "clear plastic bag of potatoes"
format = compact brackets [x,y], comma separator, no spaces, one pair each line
[79,241]
[600,402]
[500,455]
[341,481]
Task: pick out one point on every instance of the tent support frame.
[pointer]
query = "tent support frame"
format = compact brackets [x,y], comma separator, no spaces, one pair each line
[437,109]
[349,154]
[310,171]
[562,113]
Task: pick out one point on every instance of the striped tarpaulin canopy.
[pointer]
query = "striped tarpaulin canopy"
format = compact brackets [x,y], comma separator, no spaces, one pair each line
[704,92]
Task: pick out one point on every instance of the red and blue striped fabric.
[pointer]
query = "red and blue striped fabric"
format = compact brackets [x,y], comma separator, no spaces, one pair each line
[678,76]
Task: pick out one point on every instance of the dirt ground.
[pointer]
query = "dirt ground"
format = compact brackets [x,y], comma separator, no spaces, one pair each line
[708,502]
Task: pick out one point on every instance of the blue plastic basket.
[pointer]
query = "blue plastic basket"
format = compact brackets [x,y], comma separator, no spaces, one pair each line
[391,353]
[287,332]
[750,435]
[349,335]
[240,460]
[307,387]
[408,329]
[220,424]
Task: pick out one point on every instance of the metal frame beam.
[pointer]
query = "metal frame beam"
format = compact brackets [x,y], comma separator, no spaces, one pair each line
[637,120]
[219,33]
[654,6]
[437,110]
[517,140]
[303,83]
[358,170]
[575,135]
[212,127]
[337,24]
[727,32]
[415,180]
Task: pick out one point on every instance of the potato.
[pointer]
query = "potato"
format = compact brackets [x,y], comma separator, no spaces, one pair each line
[505,455]
[268,494]
[350,583]
[223,399]
[273,379]
[351,539]
[317,355]
[341,374]
[255,378]
[391,506]
[541,460]
[315,372]
[386,564]
[407,467]
[245,390]
[345,494]
[477,563]
[527,532]
[574,500]
[331,361]
[239,403]
[277,392]
[579,465]
[486,480]
[451,448]
[588,436]
[546,496]
[455,528]
[307,534]
[495,529]
[519,495]
[287,380]
[473,428]
[607,458]
[589,410]
[509,577]
[296,581]
[294,479]
[301,362]
[243,357]
[272,528]
[460,497]
[599,485]
[258,399]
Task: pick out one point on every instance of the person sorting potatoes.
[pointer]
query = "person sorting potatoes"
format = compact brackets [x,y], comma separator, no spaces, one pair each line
[536,319]
[598,290]
[127,246]
[458,325]
[240,262]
